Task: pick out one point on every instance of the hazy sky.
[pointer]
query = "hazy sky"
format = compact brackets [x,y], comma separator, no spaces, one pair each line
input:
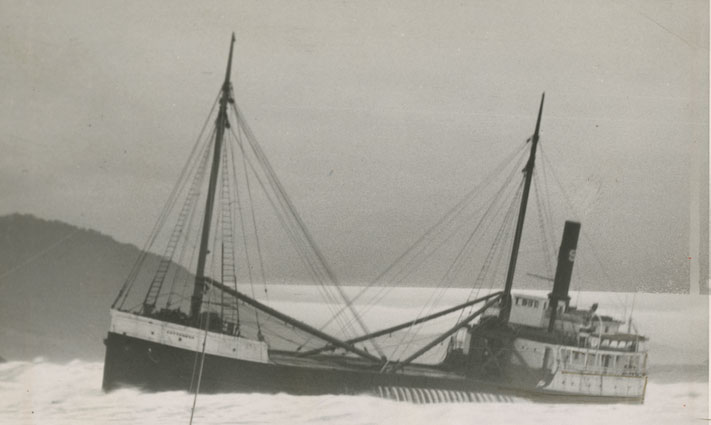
[377,116]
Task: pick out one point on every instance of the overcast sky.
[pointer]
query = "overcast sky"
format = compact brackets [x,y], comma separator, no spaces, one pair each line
[377,116]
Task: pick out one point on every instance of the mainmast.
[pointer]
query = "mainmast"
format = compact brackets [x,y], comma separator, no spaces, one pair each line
[528,172]
[220,125]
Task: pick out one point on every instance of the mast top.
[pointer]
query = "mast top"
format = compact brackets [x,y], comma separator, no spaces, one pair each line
[229,61]
[540,112]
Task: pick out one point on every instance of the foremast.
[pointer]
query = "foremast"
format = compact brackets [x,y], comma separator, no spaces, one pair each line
[220,125]
[505,310]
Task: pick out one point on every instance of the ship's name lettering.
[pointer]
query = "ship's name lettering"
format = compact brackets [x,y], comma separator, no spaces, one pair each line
[180,334]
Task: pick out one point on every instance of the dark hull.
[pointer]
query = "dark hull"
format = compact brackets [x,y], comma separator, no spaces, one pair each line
[133,362]
[155,367]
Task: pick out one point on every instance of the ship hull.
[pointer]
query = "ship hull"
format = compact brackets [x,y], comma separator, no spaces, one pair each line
[153,366]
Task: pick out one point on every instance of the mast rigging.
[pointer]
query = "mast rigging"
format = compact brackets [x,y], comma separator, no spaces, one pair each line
[220,125]
[528,171]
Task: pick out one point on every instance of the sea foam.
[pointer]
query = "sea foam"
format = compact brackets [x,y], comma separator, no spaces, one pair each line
[41,392]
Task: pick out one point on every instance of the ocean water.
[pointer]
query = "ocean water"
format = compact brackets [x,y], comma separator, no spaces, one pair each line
[45,392]
[40,392]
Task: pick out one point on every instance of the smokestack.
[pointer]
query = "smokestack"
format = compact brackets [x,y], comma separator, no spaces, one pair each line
[566,259]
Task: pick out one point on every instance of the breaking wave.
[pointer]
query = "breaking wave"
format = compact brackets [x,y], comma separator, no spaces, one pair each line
[41,392]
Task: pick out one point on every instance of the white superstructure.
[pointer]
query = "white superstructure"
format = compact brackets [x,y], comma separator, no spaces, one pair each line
[188,338]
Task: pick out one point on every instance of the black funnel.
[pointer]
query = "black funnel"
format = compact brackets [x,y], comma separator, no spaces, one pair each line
[566,259]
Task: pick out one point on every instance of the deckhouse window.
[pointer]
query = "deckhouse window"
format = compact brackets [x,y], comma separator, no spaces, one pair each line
[525,302]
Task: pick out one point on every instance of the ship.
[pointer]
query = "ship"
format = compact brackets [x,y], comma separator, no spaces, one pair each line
[192,321]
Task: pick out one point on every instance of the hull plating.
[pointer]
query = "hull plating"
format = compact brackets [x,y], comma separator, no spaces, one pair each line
[151,366]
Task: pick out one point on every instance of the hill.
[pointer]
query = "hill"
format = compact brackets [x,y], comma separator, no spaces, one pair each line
[57,282]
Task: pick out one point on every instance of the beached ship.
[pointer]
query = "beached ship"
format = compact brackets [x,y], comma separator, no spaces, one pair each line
[186,322]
